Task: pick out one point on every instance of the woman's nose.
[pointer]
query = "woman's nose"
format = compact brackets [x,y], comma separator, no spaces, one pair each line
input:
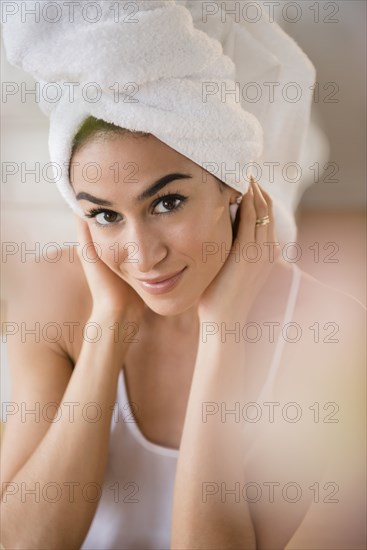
[144,249]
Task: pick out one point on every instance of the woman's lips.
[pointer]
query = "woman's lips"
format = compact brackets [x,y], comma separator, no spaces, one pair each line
[162,286]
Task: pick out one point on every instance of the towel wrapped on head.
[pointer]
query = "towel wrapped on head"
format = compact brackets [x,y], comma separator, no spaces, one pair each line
[151,66]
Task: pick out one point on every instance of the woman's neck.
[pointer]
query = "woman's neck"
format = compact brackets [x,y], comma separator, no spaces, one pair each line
[186,322]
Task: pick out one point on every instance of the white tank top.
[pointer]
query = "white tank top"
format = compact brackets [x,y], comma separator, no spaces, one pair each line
[135,508]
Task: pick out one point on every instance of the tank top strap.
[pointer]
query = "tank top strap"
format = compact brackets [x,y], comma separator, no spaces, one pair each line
[267,389]
[253,437]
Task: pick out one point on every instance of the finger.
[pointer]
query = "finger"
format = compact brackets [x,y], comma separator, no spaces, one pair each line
[93,266]
[86,248]
[271,226]
[247,218]
[269,203]
[80,235]
[261,206]
[82,232]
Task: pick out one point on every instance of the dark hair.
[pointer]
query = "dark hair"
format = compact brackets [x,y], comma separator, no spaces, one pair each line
[98,128]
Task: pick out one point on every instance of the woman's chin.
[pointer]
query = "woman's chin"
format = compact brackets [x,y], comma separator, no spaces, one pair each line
[168,308]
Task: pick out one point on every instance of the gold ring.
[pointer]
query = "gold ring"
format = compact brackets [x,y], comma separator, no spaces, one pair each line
[263,221]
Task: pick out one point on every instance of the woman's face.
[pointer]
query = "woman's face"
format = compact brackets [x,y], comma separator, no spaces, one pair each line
[183,224]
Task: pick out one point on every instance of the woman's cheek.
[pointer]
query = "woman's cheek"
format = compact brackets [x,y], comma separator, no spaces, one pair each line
[216,247]
[211,234]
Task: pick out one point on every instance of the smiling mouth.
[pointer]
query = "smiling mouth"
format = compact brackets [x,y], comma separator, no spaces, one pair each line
[163,286]
[160,279]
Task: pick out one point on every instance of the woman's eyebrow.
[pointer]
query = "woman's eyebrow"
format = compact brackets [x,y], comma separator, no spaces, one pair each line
[152,190]
[91,198]
[159,184]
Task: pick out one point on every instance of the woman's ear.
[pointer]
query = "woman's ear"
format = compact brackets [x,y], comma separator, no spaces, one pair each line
[235,198]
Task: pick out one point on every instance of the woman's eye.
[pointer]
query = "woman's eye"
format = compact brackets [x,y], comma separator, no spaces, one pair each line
[106,218]
[169,203]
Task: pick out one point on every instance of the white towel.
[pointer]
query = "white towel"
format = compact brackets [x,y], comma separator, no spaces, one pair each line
[179,65]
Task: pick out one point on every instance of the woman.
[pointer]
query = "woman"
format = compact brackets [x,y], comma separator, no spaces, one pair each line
[220,409]
[233,438]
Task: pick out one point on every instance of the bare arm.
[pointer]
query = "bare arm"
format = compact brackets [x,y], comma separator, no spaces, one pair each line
[71,455]
[211,454]
[72,452]
[338,519]
[214,451]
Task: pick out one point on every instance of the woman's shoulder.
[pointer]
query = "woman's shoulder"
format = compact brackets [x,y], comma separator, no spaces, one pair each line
[317,298]
[60,280]
[51,291]
[326,340]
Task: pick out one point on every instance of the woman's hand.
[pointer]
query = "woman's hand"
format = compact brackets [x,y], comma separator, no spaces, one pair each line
[112,297]
[233,291]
